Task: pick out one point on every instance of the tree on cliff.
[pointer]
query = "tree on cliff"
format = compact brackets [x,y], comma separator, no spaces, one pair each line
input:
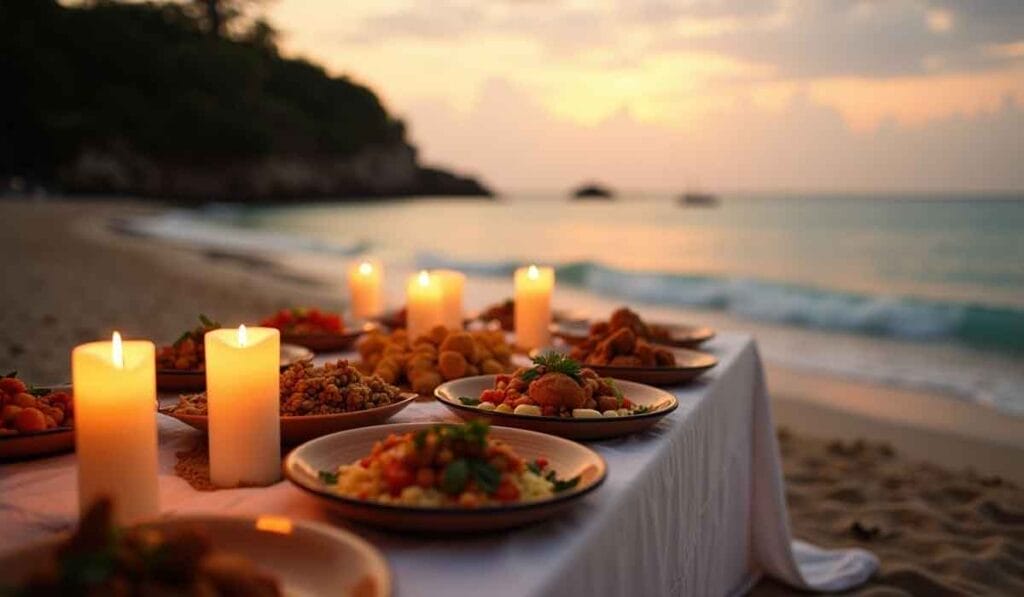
[147,79]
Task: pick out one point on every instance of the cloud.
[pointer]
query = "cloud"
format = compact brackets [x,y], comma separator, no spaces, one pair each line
[517,144]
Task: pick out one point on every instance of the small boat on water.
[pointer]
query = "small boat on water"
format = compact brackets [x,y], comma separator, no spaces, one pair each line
[697,199]
[593,191]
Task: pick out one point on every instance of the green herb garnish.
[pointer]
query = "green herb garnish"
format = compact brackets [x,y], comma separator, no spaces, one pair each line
[328,477]
[469,401]
[455,476]
[486,476]
[553,362]
[559,485]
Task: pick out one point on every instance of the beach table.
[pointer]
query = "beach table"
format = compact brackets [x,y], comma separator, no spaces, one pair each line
[695,506]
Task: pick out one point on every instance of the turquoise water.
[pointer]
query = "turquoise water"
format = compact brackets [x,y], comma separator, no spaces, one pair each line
[909,291]
[917,269]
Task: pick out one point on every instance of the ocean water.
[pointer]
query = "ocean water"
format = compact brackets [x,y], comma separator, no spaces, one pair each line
[917,291]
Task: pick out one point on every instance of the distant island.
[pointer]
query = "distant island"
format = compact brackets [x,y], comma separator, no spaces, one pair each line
[698,199]
[592,191]
[156,99]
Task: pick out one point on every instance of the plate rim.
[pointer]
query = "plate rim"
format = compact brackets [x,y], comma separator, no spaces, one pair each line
[445,510]
[653,414]
[407,399]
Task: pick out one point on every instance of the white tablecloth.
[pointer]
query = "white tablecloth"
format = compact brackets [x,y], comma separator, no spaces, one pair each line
[693,507]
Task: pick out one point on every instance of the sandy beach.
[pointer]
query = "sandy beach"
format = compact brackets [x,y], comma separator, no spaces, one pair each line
[930,484]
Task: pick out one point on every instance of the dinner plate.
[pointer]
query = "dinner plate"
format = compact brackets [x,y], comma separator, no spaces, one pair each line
[298,429]
[679,335]
[173,380]
[40,443]
[327,342]
[690,364]
[567,458]
[597,428]
[307,558]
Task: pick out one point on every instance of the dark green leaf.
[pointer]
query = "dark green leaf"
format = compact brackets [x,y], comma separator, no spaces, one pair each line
[328,477]
[455,477]
[183,337]
[207,322]
[486,476]
[12,374]
[419,439]
[534,468]
[469,401]
[530,374]
[565,485]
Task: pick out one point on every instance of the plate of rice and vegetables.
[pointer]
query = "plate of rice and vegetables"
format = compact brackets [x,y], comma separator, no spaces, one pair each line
[444,477]
[557,395]
[315,401]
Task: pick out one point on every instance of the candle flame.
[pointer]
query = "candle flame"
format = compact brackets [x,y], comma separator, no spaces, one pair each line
[424,278]
[116,350]
[243,336]
[532,272]
[366,268]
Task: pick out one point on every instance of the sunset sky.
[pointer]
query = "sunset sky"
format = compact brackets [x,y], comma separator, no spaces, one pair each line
[662,95]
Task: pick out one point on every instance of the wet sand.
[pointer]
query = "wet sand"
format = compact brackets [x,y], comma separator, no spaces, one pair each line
[939,527]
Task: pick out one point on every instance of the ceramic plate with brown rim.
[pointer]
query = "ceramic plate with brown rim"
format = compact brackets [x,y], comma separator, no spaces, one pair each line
[678,335]
[306,558]
[567,458]
[658,401]
[298,429]
[191,380]
[329,342]
[690,364]
[39,443]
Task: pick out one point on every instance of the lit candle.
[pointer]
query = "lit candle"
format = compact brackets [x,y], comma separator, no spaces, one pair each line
[114,385]
[364,287]
[243,404]
[424,304]
[533,288]
[452,284]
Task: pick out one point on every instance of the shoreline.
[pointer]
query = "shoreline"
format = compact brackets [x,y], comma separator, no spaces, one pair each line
[931,500]
[922,423]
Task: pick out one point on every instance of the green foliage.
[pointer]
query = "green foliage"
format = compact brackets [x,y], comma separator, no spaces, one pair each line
[148,78]
[552,362]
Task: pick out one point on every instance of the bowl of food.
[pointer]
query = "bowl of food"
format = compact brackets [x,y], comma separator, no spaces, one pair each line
[181,365]
[315,401]
[34,421]
[557,395]
[443,478]
[319,331]
[428,361]
[264,556]
[669,334]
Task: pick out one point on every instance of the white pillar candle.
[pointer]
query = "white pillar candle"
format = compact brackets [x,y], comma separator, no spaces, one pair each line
[114,386]
[365,289]
[243,404]
[452,285]
[424,304]
[533,288]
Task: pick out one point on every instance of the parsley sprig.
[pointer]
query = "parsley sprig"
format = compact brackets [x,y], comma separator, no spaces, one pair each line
[560,485]
[552,362]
